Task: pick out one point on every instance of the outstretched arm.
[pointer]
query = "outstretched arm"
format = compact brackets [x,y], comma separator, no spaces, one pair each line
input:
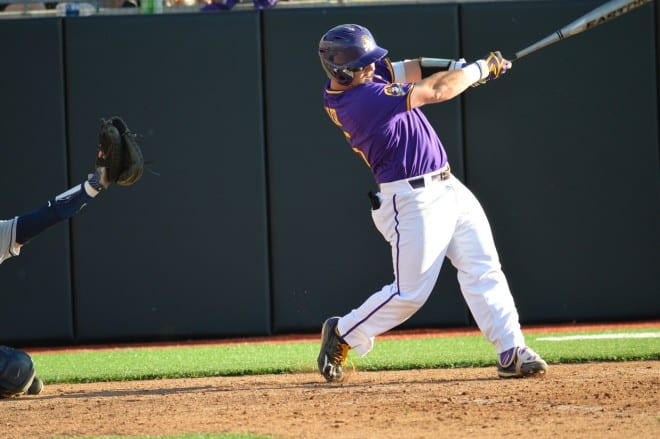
[118,160]
[413,70]
[16,232]
[445,85]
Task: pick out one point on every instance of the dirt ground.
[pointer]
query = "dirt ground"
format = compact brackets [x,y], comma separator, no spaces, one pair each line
[593,400]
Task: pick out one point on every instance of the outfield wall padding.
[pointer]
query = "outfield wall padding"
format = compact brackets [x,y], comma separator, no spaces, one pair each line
[253,219]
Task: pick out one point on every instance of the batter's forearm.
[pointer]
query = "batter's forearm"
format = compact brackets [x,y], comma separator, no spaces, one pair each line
[440,87]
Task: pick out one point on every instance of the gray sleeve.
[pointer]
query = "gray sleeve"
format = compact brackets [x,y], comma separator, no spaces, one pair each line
[8,239]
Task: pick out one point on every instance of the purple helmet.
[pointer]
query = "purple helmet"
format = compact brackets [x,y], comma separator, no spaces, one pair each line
[347,48]
[264,4]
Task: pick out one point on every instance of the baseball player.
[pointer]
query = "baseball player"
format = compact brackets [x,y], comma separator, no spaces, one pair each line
[421,208]
[119,160]
[17,375]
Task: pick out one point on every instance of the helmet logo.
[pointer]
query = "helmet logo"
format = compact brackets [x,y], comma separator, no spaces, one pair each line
[368,44]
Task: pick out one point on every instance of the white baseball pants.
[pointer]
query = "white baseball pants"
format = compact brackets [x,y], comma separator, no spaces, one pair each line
[423,226]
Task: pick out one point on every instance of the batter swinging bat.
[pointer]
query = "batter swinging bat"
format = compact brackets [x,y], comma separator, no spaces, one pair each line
[600,15]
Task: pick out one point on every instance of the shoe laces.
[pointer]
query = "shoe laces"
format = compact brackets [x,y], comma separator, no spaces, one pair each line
[340,354]
[527,354]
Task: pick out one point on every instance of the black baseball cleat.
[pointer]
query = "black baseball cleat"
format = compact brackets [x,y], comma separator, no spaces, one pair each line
[522,363]
[334,352]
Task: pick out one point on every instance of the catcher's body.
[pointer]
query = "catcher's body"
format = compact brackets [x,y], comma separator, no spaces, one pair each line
[118,160]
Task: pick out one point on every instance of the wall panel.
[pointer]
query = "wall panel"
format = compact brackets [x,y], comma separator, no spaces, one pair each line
[182,253]
[563,151]
[36,287]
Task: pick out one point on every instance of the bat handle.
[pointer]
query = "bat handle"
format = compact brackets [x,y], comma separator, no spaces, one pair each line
[518,56]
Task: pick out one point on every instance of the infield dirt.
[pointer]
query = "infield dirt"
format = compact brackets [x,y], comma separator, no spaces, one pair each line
[592,400]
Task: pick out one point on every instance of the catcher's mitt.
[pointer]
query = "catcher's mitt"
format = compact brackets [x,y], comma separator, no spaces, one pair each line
[119,152]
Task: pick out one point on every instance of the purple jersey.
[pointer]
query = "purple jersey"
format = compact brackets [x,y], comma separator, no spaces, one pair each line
[395,141]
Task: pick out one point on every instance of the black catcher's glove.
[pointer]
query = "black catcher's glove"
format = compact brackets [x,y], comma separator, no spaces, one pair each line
[119,152]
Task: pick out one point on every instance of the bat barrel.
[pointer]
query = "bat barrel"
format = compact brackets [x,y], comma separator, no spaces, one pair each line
[600,15]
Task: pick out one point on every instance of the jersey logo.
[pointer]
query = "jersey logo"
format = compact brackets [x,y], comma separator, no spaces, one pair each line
[394,90]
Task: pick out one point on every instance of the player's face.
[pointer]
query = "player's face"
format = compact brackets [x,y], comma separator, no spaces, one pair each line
[365,74]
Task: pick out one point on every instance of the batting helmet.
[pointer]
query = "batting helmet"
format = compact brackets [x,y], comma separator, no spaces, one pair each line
[347,48]
[16,372]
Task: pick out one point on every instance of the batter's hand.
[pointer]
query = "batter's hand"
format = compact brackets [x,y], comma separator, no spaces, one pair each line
[497,65]
[492,66]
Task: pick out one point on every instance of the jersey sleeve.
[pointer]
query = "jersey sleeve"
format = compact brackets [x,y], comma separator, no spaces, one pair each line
[388,99]
[8,239]
[384,103]
[384,69]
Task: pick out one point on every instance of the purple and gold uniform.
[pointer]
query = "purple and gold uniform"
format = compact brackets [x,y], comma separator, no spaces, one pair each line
[421,209]
[395,141]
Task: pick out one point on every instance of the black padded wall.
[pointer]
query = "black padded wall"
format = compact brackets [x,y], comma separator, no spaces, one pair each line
[35,287]
[182,253]
[253,218]
[563,151]
[327,257]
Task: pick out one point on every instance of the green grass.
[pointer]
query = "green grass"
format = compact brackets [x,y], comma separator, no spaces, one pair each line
[264,358]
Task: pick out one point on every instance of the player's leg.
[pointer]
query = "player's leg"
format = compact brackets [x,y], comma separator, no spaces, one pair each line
[485,288]
[17,374]
[418,225]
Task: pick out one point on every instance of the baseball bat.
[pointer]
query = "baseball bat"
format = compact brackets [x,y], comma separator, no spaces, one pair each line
[604,13]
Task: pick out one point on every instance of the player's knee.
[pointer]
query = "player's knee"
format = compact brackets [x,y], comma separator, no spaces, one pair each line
[415,298]
[485,277]
[16,372]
